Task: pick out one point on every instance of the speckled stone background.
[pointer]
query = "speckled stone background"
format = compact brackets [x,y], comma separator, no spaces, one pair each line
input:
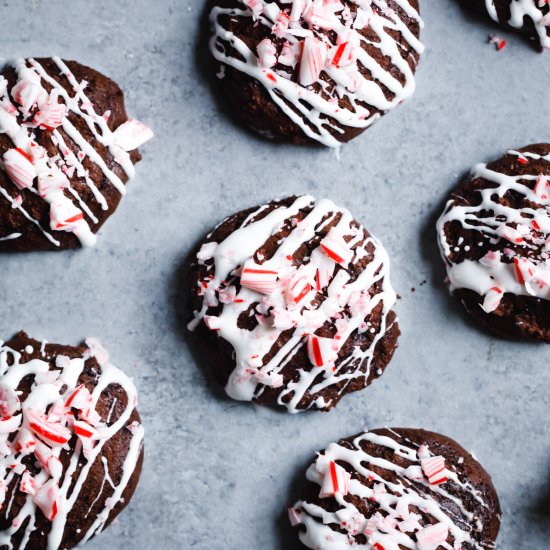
[218,474]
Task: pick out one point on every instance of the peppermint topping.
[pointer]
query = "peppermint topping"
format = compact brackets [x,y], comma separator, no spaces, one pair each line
[332,42]
[337,285]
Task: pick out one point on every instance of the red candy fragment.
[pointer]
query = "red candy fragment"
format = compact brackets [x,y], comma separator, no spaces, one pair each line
[335,480]
[432,466]
[336,248]
[321,351]
[52,433]
[46,499]
[259,279]
[19,167]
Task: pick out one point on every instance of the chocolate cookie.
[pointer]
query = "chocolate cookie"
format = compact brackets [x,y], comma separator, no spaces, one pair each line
[315,71]
[67,150]
[293,304]
[392,489]
[494,237]
[71,443]
[532,17]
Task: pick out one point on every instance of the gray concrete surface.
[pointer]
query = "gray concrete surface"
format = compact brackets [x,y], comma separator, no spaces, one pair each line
[218,474]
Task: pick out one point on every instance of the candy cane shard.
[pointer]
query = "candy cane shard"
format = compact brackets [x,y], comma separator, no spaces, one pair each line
[327,40]
[336,248]
[259,279]
[54,419]
[322,352]
[19,167]
[43,110]
[132,134]
[335,481]
[432,537]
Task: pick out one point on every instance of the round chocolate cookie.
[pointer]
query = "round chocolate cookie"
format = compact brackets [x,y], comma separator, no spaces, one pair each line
[532,17]
[494,237]
[315,71]
[394,489]
[293,304]
[67,150]
[71,443]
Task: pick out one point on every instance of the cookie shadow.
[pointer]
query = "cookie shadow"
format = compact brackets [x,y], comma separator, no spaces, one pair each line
[181,309]
[432,256]
[539,513]
[286,534]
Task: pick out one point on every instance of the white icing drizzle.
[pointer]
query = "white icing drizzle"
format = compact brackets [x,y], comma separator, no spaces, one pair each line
[284,324]
[391,525]
[10,237]
[519,9]
[321,28]
[517,239]
[50,176]
[54,397]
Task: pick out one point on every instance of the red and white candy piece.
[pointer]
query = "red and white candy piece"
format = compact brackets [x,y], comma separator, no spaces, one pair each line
[432,466]
[524,270]
[19,168]
[491,259]
[10,424]
[9,402]
[51,114]
[335,480]
[51,182]
[80,398]
[492,299]
[432,537]
[98,351]
[320,16]
[46,499]
[65,216]
[322,352]
[212,322]
[298,289]
[27,93]
[498,41]
[132,134]
[281,25]
[343,55]
[542,188]
[267,54]
[295,517]
[255,6]
[28,483]
[53,434]
[314,54]
[336,248]
[24,442]
[510,234]
[48,460]
[258,278]
[87,435]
